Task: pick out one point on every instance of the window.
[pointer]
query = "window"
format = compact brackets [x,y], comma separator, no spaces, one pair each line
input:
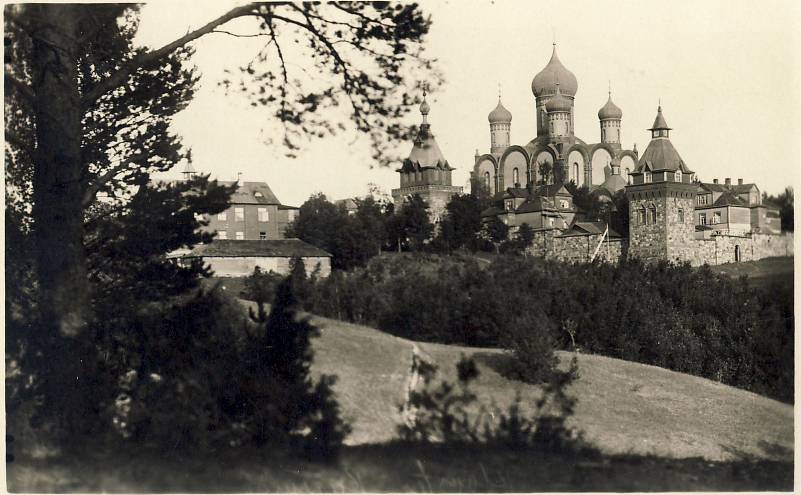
[647,177]
[678,175]
[240,236]
[576,172]
[264,215]
[221,234]
[510,205]
[262,236]
[652,212]
[564,203]
[681,215]
[603,135]
[515,177]
[550,221]
[239,214]
[716,217]
[258,194]
[222,216]
[641,216]
[487,181]
[702,218]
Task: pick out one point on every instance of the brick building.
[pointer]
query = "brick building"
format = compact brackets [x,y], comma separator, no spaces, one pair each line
[255,214]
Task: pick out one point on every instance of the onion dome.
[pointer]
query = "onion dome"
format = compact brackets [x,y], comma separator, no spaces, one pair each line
[544,83]
[424,108]
[500,114]
[610,111]
[558,103]
[659,121]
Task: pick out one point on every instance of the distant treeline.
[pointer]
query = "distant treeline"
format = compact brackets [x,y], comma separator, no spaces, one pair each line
[686,319]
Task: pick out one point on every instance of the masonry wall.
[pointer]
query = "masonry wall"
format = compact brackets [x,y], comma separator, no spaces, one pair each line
[244,266]
[720,249]
[576,248]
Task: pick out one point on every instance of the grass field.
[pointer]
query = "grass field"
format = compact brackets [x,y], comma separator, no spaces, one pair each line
[657,430]
[761,272]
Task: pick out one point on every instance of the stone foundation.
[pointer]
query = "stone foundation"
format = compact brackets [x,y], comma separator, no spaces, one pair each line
[715,250]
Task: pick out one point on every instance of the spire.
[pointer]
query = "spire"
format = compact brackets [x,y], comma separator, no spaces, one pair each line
[189,171]
[424,108]
[659,123]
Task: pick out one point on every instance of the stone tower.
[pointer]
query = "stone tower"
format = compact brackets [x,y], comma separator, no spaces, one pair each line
[426,172]
[500,121]
[610,116]
[661,201]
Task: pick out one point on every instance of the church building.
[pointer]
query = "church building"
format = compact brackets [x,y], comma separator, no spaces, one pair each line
[604,164]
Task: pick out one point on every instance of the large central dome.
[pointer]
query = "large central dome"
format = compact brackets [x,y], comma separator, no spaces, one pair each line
[544,83]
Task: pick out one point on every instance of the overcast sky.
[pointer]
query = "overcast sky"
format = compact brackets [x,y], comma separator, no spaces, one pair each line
[728,73]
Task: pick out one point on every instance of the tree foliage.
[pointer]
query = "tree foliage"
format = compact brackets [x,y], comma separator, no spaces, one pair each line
[784,202]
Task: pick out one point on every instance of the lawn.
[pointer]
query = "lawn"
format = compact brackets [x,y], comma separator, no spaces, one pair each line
[657,430]
[761,272]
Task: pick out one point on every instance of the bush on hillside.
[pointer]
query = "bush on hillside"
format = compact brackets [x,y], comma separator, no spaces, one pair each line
[686,319]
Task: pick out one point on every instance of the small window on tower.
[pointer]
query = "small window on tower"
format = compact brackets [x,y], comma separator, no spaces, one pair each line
[641,216]
[653,214]
[262,236]
[678,175]
[647,177]
[702,218]
[681,215]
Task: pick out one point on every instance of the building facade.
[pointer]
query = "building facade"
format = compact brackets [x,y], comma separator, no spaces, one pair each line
[255,214]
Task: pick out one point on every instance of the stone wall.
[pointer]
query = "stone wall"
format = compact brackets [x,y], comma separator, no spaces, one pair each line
[719,249]
[550,245]
[243,266]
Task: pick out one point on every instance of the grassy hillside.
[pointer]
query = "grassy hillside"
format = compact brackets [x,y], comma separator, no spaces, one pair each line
[623,407]
[760,272]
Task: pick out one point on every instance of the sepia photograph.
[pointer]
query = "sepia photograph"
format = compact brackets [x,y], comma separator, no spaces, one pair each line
[477,246]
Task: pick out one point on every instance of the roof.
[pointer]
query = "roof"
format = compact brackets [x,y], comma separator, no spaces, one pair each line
[348,203]
[544,83]
[661,155]
[492,211]
[613,184]
[280,248]
[425,151]
[500,114]
[252,193]
[729,198]
[590,228]
[558,103]
[659,121]
[515,192]
[556,189]
[610,110]
[537,203]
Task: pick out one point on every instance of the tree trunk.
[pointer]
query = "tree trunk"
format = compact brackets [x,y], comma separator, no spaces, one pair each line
[57,179]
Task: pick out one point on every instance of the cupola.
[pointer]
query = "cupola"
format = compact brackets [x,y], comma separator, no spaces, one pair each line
[500,115]
[544,82]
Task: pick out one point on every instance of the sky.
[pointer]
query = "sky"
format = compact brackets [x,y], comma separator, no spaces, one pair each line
[728,74]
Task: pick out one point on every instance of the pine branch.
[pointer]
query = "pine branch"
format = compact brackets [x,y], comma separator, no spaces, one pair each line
[153,57]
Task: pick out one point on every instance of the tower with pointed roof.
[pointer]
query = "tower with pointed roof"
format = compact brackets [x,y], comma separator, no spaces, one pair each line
[500,122]
[661,201]
[426,172]
[609,117]
[544,86]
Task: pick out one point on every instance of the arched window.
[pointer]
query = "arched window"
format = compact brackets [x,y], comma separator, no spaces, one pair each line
[628,176]
[487,181]
[603,135]
[576,173]
[515,177]
[641,219]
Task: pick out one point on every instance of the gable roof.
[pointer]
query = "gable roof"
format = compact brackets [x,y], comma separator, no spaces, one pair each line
[729,198]
[252,193]
[279,248]
[590,228]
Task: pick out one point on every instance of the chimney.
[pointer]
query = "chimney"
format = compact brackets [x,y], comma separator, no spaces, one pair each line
[239,178]
[728,181]
[714,181]
[739,182]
